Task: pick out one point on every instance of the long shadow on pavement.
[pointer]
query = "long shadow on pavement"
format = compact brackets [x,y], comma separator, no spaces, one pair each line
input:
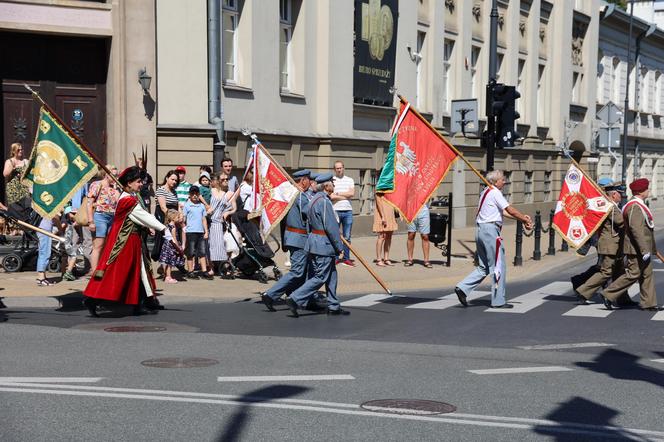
[625,366]
[233,430]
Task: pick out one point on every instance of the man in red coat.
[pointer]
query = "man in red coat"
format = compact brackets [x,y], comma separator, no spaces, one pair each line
[124,273]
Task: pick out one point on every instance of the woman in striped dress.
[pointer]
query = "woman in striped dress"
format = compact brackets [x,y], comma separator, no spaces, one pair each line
[223,206]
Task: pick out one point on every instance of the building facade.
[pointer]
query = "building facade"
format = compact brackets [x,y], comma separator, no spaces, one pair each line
[84,58]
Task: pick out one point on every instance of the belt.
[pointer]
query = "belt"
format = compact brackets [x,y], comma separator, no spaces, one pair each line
[319,232]
[296,230]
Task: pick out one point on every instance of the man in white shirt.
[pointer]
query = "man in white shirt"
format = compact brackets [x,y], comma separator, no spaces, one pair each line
[490,251]
[344,191]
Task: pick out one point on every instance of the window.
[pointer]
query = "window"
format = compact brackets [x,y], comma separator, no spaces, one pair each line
[421,87]
[285,35]
[519,85]
[507,188]
[230,16]
[367,190]
[541,120]
[577,79]
[474,60]
[658,93]
[547,185]
[448,48]
[528,187]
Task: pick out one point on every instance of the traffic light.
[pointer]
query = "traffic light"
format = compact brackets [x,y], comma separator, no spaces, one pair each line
[504,101]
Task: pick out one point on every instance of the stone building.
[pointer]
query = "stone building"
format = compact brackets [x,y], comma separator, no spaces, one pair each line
[84,58]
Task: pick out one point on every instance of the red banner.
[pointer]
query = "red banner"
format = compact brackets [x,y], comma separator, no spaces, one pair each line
[420,160]
[581,208]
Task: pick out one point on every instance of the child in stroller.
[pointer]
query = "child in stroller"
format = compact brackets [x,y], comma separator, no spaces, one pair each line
[255,255]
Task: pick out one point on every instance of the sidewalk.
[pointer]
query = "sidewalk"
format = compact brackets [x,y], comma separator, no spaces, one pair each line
[20,289]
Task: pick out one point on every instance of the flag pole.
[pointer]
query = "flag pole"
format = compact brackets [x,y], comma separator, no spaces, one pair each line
[94,157]
[364,263]
[366,266]
[433,129]
[36,229]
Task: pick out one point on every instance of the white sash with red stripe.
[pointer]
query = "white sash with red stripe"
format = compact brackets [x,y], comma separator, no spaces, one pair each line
[498,266]
[647,214]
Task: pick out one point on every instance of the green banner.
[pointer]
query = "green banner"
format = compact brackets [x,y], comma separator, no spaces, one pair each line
[386,180]
[58,166]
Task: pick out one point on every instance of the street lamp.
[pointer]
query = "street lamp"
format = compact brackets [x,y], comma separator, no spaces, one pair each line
[144,80]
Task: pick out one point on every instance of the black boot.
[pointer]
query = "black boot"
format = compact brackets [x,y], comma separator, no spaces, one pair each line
[91,305]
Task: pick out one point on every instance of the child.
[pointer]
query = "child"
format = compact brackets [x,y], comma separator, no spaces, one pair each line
[171,252]
[197,234]
[69,226]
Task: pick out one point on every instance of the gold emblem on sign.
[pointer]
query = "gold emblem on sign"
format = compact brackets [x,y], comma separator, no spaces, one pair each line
[377,28]
[46,198]
[50,164]
[44,126]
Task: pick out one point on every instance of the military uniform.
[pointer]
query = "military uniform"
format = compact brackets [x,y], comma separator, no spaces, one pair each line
[323,246]
[609,249]
[639,247]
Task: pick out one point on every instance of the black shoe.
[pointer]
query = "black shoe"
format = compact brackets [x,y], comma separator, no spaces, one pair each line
[293,307]
[338,312]
[580,299]
[91,305]
[192,275]
[207,276]
[651,309]
[152,303]
[268,302]
[506,305]
[608,304]
[461,295]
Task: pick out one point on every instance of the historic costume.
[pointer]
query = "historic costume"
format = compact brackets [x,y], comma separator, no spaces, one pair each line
[639,247]
[124,271]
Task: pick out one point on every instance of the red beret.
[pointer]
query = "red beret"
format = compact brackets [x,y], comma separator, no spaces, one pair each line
[640,185]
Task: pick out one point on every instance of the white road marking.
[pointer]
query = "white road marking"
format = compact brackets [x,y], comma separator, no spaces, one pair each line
[448,301]
[329,377]
[596,310]
[659,361]
[658,270]
[659,316]
[564,346]
[329,407]
[521,370]
[633,290]
[367,300]
[531,300]
[9,379]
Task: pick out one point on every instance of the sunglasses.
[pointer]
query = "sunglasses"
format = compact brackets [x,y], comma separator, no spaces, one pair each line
[223,179]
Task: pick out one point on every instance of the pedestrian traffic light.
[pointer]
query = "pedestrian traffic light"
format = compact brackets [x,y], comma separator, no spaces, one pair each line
[504,109]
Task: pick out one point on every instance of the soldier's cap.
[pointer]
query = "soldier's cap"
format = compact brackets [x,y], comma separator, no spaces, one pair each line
[304,173]
[323,177]
[640,185]
[605,181]
[313,176]
[618,187]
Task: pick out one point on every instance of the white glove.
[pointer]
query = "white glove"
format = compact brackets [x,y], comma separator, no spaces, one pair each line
[646,257]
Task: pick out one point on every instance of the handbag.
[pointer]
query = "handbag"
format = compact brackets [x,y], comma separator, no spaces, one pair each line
[81,216]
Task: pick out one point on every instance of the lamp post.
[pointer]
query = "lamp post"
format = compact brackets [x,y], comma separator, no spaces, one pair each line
[626,108]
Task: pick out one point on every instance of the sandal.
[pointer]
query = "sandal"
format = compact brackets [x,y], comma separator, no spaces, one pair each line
[380,263]
[389,262]
[44,282]
[428,265]
[170,280]
[408,264]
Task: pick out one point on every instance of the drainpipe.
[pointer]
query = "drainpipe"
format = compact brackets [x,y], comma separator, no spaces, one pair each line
[215,108]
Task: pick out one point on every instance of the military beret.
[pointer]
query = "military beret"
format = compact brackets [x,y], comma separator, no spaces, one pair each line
[304,173]
[605,181]
[324,177]
[640,185]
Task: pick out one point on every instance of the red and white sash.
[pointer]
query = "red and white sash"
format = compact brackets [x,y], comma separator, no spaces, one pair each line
[647,214]
[484,195]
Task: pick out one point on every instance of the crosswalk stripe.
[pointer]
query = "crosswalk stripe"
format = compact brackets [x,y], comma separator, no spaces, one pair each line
[659,316]
[535,298]
[367,300]
[597,310]
[448,301]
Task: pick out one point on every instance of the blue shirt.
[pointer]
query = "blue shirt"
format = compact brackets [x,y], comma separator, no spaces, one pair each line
[194,213]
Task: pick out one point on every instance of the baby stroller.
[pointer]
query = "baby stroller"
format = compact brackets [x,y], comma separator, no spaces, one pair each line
[25,251]
[254,255]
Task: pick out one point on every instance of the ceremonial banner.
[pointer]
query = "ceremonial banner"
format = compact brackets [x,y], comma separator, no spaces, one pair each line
[581,207]
[417,161]
[273,193]
[58,165]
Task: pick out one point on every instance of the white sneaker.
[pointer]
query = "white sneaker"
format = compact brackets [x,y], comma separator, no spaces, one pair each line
[287,263]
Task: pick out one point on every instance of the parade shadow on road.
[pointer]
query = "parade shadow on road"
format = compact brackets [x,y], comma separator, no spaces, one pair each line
[232,431]
[571,416]
[71,302]
[625,366]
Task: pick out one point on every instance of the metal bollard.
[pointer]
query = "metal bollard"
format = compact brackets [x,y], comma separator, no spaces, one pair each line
[537,252]
[552,235]
[564,247]
[518,259]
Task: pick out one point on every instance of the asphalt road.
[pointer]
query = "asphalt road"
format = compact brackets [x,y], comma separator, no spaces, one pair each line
[540,372]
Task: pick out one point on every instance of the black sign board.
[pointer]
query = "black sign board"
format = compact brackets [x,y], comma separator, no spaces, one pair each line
[375,51]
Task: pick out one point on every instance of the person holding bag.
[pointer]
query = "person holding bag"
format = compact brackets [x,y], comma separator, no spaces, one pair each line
[103,198]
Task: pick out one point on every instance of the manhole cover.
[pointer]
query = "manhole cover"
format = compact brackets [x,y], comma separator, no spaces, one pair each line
[179,362]
[135,329]
[408,406]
